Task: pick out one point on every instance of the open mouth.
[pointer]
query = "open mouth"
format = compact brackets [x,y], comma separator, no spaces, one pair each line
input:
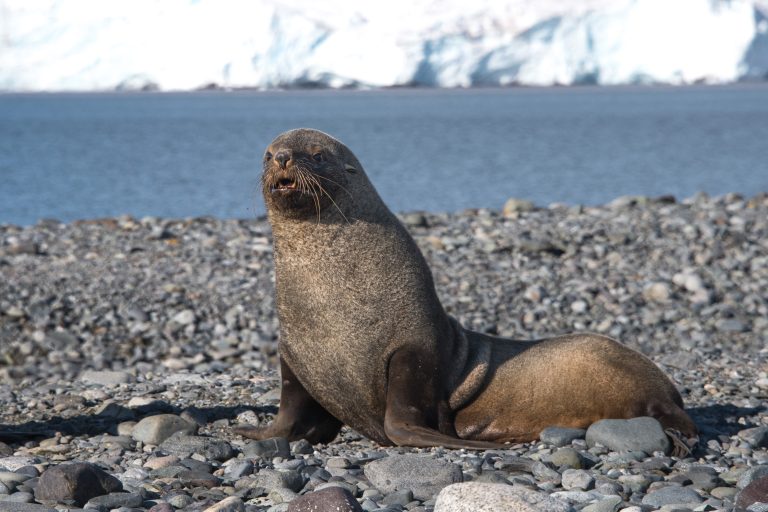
[284,185]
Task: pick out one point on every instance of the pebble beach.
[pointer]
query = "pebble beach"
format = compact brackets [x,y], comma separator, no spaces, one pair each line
[129,347]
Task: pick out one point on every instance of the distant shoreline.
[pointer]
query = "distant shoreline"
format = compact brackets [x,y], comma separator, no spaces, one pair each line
[754,84]
[626,201]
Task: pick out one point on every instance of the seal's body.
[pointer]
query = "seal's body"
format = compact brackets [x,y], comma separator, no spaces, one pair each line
[366,342]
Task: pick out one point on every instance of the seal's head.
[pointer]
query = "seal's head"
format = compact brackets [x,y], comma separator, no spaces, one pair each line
[305,173]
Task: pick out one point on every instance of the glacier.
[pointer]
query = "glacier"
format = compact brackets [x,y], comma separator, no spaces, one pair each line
[81,45]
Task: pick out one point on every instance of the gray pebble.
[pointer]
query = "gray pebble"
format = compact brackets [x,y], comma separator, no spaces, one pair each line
[13,463]
[194,416]
[566,457]
[239,469]
[7,506]
[161,507]
[337,462]
[560,436]
[544,473]
[402,498]
[282,495]
[635,483]
[672,495]
[333,499]
[608,487]
[106,378]
[267,448]
[12,478]
[20,497]
[514,206]
[113,500]
[184,317]
[637,434]
[184,445]
[77,482]
[191,478]
[302,447]
[757,437]
[230,504]
[424,476]
[703,477]
[180,500]
[347,486]
[124,442]
[607,504]
[156,429]
[369,505]
[751,475]
[577,479]
[474,496]
[271,479]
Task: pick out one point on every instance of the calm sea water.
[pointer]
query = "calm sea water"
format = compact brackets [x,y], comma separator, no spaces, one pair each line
[75,156]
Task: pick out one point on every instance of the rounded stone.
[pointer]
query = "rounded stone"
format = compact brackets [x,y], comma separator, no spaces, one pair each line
[77,482]
[183,445]
[268,448]
[657,292]
[607,504]
[424,476]
[158,428]
[577,479]
[333,499]
[672,495]
[755,492]
[752,474]
[643,434]
[106,377]
[230,504]
[513,206]
[560,436]
[566,457]
[484,497]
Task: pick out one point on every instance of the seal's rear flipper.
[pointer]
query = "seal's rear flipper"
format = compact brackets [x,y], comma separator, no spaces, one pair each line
[682,446]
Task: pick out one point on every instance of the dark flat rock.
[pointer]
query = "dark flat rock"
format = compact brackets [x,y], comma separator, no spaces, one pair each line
[75,483]
[329,499]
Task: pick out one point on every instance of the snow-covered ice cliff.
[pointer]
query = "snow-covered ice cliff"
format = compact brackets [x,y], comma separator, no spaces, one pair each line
[188,44]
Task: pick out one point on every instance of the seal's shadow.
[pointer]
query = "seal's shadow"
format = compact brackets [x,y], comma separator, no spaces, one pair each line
[95,424]
[722,420]
[713,421]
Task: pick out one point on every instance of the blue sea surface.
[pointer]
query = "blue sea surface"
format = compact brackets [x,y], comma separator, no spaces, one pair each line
[79,156]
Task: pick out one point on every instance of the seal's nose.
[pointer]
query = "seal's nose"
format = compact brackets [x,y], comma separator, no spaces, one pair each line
[282,157]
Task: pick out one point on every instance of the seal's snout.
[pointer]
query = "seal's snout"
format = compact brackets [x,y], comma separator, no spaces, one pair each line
[283,157]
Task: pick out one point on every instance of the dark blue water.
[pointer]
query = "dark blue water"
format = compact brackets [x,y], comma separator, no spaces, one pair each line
[80,156]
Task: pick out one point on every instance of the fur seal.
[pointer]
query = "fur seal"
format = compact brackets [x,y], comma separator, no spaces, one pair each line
[364,340]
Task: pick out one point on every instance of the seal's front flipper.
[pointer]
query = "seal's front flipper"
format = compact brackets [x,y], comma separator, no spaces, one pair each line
[411,416]
[299,416]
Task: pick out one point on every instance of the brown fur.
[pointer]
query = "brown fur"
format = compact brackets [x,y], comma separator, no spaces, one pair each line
[365,340]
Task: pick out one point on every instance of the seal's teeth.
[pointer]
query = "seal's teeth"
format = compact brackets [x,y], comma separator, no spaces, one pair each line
[285,184]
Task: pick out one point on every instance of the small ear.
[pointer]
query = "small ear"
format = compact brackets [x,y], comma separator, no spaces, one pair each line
[350,168]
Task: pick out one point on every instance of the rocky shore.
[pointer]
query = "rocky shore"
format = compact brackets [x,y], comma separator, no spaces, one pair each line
[128,348]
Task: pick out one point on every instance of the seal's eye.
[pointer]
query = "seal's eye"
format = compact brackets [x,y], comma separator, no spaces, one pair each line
[318,157]
[267,156]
